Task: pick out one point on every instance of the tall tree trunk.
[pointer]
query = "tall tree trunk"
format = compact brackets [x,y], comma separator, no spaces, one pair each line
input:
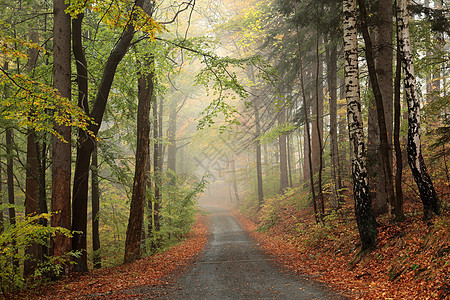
[136,219]
[42,166]
[157,174]
[61,153]
[383,64]
[334,148]
[427,192]
[397,206]
[171,134]
[85,143]
[367,225]
[259,177]
[289,163]
[80,186]
[284,179]
[383,59]
[32,173]
[10,186]
[10,174]
[317,126]
[343,159]
[308,136]
[95,198]
[31,199]
[382,126]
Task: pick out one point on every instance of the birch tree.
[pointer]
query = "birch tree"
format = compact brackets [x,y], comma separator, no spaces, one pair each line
[427,192]
[367,225]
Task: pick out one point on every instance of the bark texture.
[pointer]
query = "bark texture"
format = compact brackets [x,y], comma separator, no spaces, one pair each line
[367,225]
[32,172]
[135,221]
[334,147]
[61,152]
[427,192]
[80,186]
[384,137]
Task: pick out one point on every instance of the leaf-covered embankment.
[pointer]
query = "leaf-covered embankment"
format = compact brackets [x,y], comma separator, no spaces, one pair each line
[152,270]
[411,259]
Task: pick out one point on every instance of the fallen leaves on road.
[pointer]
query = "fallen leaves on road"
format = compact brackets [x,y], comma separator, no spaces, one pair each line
[113,283]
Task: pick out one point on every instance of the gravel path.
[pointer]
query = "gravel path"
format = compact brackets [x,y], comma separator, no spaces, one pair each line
[232,266]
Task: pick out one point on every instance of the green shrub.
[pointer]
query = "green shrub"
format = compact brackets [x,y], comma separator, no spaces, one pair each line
[15,239]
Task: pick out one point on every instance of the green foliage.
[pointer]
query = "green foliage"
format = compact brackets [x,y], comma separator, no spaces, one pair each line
[179,208]
[28,101]
[118,14]
[18,237]
[276,131]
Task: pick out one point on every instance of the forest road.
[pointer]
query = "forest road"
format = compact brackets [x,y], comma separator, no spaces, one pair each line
[232,266]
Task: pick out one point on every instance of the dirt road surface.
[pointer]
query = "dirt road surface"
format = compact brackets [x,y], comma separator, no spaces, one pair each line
[232,266]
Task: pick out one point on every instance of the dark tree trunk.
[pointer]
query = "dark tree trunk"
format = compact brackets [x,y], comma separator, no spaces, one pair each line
[10,174]
[136,219]
[317,127]
[289,163]
[383,63]
[10,185]
[284,179]
[397,205]
[95,198]
[86,143]
[259,177]
[32,173]
[382,127]
[334,148]
[308,136]
[171,134]
[61,152]
[31,199]
[157,175]
[42,166]
[343,159]
[80,186]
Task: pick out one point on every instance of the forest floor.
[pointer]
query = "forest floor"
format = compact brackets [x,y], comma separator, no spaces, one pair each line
[116,282]
[411,259]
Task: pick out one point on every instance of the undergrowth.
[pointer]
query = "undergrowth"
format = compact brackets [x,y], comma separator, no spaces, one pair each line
[411,259]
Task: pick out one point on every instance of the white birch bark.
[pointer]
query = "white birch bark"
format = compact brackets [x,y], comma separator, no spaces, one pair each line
[426,189]
[363,207]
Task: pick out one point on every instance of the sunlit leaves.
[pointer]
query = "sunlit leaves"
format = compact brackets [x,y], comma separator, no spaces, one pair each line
[118,13]
[34,104]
